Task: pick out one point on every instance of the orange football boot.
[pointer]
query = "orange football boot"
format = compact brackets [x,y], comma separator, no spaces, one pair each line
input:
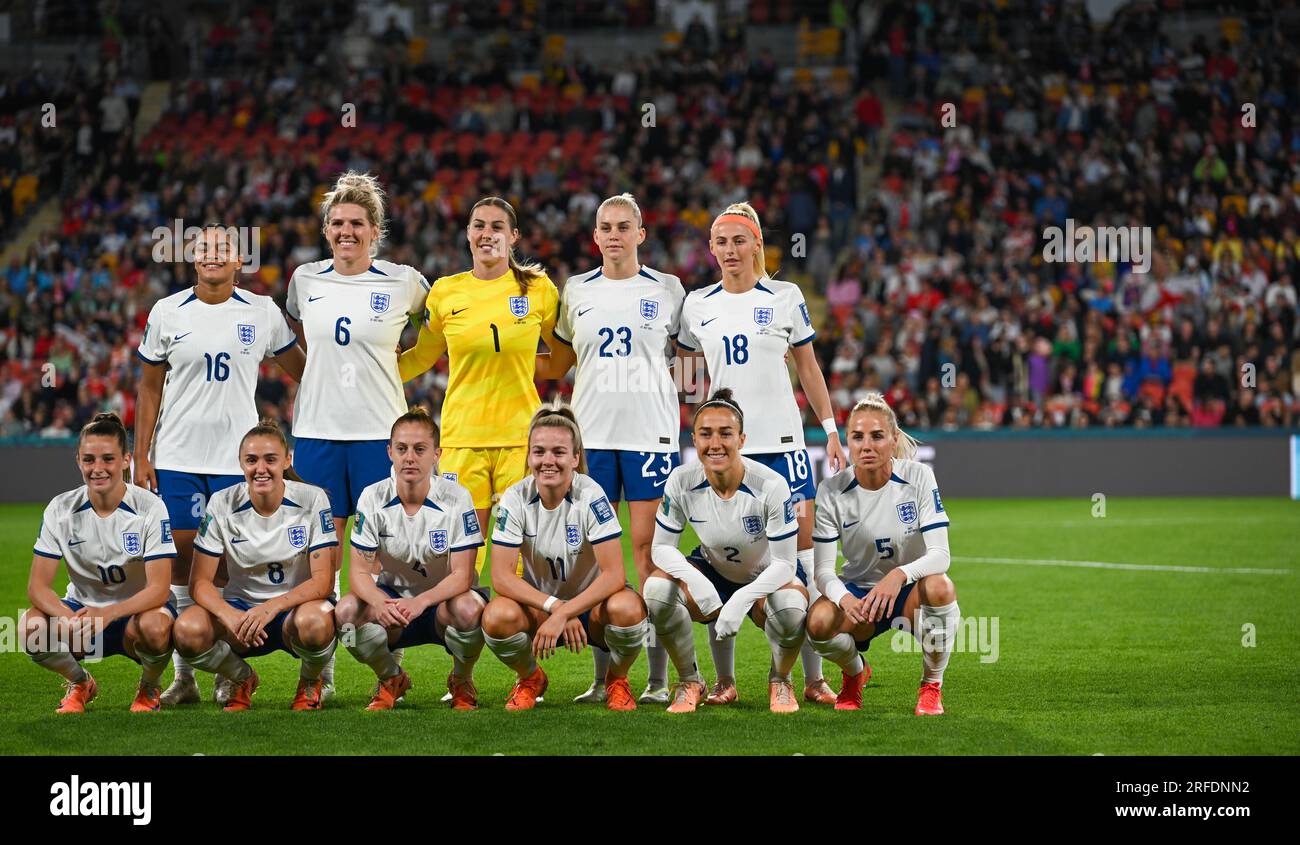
[388,691]
[148,699]
[686,697]
[929,700]
[819,693]
[464,695]
[78,696]
[618,695]
[722,694]
[526,691]
[241,693]
[308,696]
[781,697]
[850,697]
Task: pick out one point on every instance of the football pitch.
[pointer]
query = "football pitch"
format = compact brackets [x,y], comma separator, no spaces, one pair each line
[1169,626]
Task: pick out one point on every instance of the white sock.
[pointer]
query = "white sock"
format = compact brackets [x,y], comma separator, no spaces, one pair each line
[840,650]
[61,662]
[812,661]
[516,652]
[222,660]
[370,646]
[600,659]
[181,599]
[315,662]
[938,628]
[151,666]
[625,644]
[672,624]
[786,611]
[465,647]
[657,656]
[724,655]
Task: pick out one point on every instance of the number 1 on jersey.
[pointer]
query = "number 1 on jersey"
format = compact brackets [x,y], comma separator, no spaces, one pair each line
[496,337]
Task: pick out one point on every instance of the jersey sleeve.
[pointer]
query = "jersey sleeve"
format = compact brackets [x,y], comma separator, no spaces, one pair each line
[466,533]
[419,288]
[600,523]
[801,327]
[685,338]
[931,506]
[282,337]
[47,544]
[509,527]
[320,529]
[429,344]
[291,299]
[550,307]
[158,532]
[677,296]
[211,539]
[778,505]
[153,349]
[564,320]
[826,524]
[365,534]
[670,516]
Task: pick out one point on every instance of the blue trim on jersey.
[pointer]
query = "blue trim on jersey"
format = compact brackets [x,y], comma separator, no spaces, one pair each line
[287,501]
[236,295]
[206,551]
[759,286]
[834,539]
[290,345]
[149,360]
[852,483]
[84,507]
[245,506]
[123,506]
[744,489]
[666,528]
[364,547]
[397,500]
[377,271]
[783,536]
[497,542]
[712,292]
[703,485]
[40,553]
[537,497]
[323,545]
[809,339]
[642,272]
[684,346]
[934,525]
[603,539]
[594,276]
[157,557]
[561,339]
[893,476]
[462,548]
[329,269]
[193,296]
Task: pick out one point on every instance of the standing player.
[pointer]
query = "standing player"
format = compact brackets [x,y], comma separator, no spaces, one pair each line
[617,324]
[745,564]
[887,511]
[488,320]
[744,326]
[573,588]
[417,534]
[349,312]
[117,543]
[275,533]
[202,348]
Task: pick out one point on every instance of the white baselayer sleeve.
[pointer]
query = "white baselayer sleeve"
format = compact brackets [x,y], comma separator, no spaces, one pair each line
[779,572]
[825,554]
[936,559]
[665,555]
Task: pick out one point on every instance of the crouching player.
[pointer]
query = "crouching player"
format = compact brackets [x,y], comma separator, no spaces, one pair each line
[885,509]
[276,534]
[574,587]
[745,564]
[117,544]
[417,534]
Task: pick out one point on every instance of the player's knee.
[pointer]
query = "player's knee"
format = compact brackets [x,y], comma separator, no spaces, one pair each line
[661,596]
[624,608]
[787,610]
[823,619]
[503,618]
[937,590]
[192,632]
[466,611]
[348,610]
[156,631]
[33,630]
[314,626]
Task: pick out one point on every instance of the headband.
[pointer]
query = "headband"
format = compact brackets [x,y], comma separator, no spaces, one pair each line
[738,218]
[726,403]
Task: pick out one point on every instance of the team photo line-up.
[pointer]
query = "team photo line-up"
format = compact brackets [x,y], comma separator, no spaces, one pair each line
[205,546]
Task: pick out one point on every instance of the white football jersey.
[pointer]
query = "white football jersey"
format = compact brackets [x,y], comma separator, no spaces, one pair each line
[745,338]
[557,545]
[266,556]
[105,556]
[880,530]
[212,354]
[414,552]
[734,533]
[352,325]
[622,331]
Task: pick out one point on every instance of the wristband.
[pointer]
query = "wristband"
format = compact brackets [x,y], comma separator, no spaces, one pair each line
[549,603]
[828,426]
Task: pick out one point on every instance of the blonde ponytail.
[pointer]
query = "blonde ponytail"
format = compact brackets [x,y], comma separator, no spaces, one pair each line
[875,403]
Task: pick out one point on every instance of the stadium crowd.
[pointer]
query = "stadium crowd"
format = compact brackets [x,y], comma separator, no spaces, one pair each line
[925,239]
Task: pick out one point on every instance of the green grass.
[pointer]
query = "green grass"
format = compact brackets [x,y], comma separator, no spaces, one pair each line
[1090,660]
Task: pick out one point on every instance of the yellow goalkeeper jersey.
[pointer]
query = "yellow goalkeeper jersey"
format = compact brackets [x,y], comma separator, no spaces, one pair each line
[490,333]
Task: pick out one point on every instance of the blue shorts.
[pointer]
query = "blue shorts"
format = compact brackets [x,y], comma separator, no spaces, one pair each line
[186,495]
[884,624]
[795,467]
[630,476]
[342,467]
[113,640]
[727,588]
[423,629]
[274,630]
